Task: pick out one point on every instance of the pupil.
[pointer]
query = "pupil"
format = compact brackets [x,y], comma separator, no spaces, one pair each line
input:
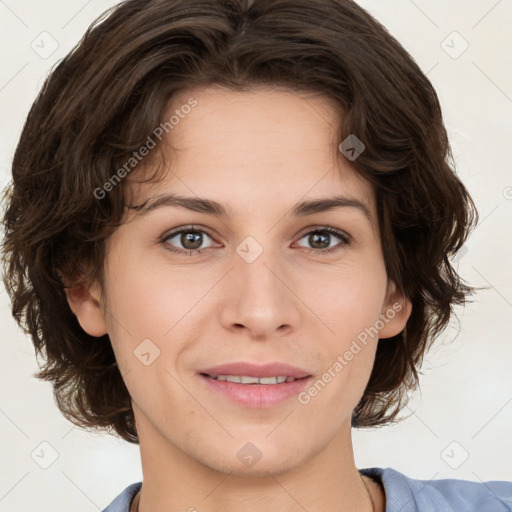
[194,239]
[317,238]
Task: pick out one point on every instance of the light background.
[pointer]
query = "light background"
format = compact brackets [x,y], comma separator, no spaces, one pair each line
[466,387]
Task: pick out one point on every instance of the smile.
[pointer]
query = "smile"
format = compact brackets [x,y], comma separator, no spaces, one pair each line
[244,379]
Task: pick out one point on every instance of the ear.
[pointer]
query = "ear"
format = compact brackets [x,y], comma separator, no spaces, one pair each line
[395,312]
[84,301]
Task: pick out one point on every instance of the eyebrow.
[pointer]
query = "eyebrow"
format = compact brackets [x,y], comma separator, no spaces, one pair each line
[210,207]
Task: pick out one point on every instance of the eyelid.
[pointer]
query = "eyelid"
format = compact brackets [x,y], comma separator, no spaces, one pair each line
[191,227]
[325,227]
[187,227]
[345,239]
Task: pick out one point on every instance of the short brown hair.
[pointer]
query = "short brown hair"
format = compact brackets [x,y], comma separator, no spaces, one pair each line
[106,97]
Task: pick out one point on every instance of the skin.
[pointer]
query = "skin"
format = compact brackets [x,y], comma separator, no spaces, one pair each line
[257,153]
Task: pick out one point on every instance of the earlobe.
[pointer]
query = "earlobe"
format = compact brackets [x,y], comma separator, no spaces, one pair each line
[84,301]
[395,313]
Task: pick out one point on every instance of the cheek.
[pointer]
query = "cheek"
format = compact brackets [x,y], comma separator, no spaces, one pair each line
[151,297]
[348,302]
[349,307]
[153,311]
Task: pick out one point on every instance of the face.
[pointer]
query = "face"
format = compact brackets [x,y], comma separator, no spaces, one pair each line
[272,281]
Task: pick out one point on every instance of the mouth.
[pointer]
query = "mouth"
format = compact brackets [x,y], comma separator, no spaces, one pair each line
[255,386]
[246,379]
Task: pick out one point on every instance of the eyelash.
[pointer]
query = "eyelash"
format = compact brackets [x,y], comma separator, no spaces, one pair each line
[345,240]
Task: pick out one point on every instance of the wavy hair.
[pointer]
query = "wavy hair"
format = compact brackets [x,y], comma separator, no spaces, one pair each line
[103,100]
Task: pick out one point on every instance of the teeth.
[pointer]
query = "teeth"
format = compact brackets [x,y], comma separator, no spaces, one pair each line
[248,380]
[269,380]
[243,379]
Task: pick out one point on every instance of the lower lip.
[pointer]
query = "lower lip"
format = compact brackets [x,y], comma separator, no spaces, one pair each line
[257,395]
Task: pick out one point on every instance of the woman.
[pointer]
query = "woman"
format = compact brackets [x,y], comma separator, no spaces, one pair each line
[233,243]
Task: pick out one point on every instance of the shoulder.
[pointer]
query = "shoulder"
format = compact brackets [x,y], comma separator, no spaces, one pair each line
[406,494]
[123,501]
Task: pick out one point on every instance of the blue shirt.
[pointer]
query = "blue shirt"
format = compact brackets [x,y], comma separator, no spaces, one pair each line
[404,494]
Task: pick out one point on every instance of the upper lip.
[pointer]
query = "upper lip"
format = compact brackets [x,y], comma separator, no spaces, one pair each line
[254,370]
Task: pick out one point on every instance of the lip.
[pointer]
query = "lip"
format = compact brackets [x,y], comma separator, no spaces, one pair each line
[256,396]
[255,370]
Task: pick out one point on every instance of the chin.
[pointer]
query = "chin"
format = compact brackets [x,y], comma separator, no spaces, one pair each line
[259,470]
[248,460]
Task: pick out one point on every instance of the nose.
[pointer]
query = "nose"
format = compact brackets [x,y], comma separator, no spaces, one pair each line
[260,301]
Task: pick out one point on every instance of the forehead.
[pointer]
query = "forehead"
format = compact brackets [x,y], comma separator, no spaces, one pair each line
[248,120]
[264,144]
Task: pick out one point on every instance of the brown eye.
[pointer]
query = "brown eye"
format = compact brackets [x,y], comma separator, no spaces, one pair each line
[191,240]
[320,240]
[187,241]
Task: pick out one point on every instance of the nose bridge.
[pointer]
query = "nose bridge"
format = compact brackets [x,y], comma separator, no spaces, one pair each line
[259,282]
[263,303]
